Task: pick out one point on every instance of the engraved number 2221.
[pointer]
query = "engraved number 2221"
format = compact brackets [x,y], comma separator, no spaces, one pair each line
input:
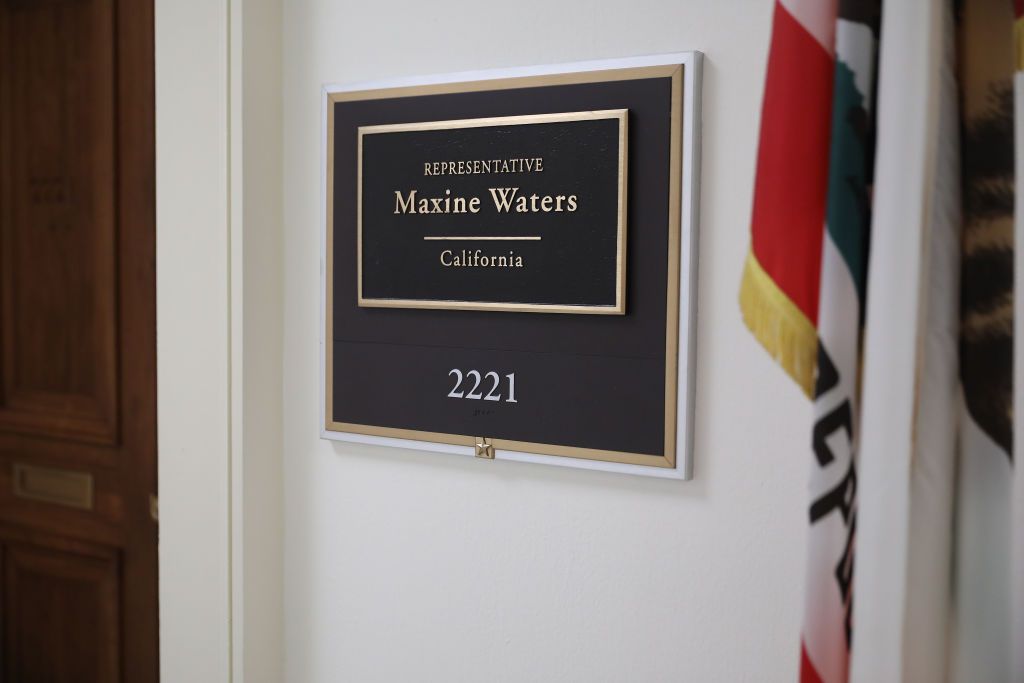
[476,392]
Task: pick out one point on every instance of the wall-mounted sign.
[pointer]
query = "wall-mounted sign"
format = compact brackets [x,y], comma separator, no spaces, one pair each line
[509,263]
[519,213]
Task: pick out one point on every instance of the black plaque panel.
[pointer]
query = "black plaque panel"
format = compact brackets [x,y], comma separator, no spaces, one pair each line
[587,386]
[522,213]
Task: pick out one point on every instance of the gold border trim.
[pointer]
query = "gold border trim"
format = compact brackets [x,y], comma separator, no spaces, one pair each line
[673,71]
[619,308]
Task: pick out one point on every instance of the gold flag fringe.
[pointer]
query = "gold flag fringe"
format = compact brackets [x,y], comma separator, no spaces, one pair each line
[778,324]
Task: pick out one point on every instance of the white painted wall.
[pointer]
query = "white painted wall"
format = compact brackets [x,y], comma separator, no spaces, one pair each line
[406,566]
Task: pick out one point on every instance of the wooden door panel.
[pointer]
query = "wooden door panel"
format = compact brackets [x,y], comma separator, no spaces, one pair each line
[58,452]
[57,233]
[61,616]
[78,600]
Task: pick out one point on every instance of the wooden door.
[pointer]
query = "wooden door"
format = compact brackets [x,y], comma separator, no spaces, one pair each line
[78,595]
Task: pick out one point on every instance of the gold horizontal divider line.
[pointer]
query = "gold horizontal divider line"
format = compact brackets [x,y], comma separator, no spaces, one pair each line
[482,238]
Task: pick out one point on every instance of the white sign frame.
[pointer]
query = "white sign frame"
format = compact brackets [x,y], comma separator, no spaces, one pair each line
[688,244]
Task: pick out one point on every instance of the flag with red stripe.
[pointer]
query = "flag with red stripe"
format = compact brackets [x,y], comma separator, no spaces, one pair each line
[779,290]
[803,287]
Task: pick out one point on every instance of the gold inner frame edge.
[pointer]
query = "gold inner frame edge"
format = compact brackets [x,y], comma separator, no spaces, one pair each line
[619,308]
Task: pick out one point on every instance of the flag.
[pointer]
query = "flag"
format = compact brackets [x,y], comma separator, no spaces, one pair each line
[779,289]
[983,563]
[827,627]
[1017,542]
[936,474]
[1018,34]
[908,425]
[802,293]
[923,491]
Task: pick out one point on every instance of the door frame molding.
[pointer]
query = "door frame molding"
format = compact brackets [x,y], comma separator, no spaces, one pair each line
[219,313]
